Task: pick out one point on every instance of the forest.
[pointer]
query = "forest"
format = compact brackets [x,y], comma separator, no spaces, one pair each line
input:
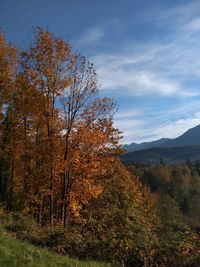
[62,184]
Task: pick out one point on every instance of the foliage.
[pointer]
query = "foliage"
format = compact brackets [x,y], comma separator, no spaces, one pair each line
[56,133]
[119,226]
[17,253]
[177,189]
[122,220]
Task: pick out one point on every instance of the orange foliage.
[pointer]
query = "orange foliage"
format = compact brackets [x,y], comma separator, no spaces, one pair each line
[61,136]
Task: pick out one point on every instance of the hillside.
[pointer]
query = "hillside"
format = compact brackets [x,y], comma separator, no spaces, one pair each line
[168,154]
[15,253]
[145,145]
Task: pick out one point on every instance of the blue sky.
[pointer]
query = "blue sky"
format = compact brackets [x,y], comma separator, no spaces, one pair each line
[146,53]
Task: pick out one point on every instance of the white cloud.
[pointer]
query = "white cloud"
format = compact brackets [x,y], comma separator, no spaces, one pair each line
[169,122]
[127,114]
[165,67]
[92,36]
[194,24]
[144,132]
[135,74]
[130,128]
[176,128]
[161,66]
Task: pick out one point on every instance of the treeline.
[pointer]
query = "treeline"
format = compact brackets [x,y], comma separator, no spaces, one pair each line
[177,188]
[175,185]
[61,184]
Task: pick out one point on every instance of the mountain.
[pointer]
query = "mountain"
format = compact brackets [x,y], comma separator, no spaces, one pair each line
[145,145]
[189,138]
[186,146]
[168,154]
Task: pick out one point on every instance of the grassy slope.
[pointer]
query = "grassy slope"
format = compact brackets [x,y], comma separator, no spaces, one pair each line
[15,253]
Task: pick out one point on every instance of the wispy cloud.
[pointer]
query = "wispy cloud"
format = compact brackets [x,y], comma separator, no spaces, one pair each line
[194,24]
[97,34]
[166,66]
[92,35]
[127,114]
[149,124]
[160,66]
[161,69]
[141,131]
[139,83]
[177,127]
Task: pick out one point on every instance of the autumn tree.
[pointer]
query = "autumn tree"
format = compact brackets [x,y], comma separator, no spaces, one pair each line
[121,224]
[8,65]
[89,138]
[70,127]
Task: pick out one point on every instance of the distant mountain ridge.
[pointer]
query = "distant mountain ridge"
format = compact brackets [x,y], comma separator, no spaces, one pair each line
[186,146]
[189,138]
[168,154]
[145,145]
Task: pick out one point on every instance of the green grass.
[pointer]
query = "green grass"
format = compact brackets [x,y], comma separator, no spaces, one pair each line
[16,253]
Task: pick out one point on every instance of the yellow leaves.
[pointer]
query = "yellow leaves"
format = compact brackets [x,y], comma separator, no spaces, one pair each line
[189,245]
[48,72]
[61,136]
[82,192]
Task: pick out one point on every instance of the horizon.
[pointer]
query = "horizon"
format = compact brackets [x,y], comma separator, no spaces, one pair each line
[146,56]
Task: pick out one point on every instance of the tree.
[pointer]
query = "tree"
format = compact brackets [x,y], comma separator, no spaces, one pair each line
[8,65]
[121,224]
[62,131]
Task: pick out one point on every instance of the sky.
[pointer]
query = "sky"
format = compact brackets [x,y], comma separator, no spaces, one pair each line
[146,54]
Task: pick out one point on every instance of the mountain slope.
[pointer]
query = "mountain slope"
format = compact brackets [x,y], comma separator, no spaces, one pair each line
[145,145]
[190,137]
[168,154]
[186,146]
